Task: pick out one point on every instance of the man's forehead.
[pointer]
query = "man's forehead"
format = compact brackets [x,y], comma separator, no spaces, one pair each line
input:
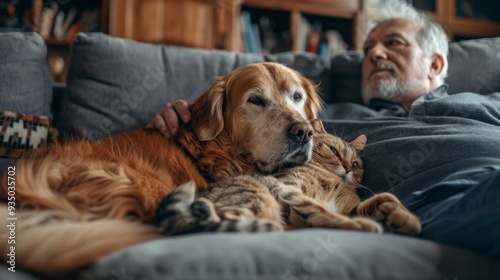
[401,26]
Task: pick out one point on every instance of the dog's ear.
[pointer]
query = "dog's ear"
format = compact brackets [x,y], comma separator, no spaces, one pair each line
[314,103]
[207,114]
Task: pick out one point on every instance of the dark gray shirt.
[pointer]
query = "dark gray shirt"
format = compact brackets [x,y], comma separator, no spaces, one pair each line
[410,150]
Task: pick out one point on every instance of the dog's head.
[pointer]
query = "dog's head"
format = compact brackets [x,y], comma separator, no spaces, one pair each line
[264,108]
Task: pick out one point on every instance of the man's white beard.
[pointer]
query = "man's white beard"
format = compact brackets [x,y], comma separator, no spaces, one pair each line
[388,87]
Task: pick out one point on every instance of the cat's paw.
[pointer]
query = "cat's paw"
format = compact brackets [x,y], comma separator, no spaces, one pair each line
[388,210]
[204,211]
[246,225]
[269,225]
[399,219]
[364,224]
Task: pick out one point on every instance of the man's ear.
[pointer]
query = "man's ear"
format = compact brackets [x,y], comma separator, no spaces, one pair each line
[437,66]
[207,113]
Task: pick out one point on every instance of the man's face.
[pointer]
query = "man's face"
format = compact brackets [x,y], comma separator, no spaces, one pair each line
[394,66]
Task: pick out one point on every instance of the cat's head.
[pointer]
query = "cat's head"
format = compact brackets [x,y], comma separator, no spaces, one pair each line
[336,155]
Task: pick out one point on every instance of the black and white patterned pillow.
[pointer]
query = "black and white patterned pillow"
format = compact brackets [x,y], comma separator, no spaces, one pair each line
[20,132]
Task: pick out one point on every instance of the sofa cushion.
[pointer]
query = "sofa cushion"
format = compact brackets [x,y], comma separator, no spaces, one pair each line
[115,84]
[473,67]
[24,74]
[24,78]
[301,254]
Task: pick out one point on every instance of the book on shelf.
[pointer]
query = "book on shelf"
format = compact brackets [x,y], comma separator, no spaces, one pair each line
[248,33]
[66,24]
[58,20]
[259,37]
[313,39]
[47,19]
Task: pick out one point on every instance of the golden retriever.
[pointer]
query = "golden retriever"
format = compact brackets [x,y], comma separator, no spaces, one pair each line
[79,201]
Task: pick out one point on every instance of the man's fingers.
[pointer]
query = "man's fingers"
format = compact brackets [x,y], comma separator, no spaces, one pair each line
[159,123]
[181,107]
[170,119]
[167,120]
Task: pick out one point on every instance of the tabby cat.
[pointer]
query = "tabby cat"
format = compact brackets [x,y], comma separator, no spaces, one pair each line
[321,193]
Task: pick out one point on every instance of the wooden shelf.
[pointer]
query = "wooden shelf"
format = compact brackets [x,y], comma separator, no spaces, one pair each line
[217,24]
[333,8]
[445,13]
[344,16]
[57,42]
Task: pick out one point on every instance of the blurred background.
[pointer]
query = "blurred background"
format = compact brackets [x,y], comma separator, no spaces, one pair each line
[323,27]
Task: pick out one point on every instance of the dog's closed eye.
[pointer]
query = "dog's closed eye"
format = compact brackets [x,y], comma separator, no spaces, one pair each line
[256,100]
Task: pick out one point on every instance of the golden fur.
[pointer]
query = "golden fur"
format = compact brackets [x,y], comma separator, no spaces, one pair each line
[79,201]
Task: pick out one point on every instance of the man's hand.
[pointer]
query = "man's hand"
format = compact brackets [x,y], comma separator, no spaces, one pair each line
[167,120]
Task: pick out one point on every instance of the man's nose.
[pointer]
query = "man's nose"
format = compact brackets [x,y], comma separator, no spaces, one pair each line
[376,52]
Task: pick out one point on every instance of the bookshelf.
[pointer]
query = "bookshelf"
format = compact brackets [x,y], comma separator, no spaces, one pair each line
[307,25]
[281,25]
[218,23]
[57,21]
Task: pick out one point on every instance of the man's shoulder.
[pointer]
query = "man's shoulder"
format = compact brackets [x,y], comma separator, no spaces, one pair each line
[467,105]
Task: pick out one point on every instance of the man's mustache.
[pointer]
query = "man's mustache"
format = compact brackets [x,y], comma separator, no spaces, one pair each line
[384,65]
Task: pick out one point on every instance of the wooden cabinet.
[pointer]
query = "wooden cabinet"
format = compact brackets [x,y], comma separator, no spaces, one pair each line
[472,19]
[217,24]
[464,19]
[187,23]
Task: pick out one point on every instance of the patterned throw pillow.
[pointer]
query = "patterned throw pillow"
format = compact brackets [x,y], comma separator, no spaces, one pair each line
[20,132]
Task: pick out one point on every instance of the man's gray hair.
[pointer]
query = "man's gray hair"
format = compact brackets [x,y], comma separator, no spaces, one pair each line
[431,37]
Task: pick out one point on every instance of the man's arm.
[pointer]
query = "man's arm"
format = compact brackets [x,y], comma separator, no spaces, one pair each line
[167,120]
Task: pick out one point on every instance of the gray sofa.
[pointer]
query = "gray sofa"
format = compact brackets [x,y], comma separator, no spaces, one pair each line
[115,85]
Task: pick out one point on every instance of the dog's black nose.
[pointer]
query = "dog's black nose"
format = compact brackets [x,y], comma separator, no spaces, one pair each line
[301,132]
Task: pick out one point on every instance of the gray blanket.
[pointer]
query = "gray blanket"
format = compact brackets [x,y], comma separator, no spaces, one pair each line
[442,133]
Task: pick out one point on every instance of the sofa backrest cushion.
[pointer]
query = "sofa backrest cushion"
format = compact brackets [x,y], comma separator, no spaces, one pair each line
[473,67]
[115,84]
[24,75]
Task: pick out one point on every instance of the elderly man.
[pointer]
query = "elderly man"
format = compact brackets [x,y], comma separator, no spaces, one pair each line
[451,183]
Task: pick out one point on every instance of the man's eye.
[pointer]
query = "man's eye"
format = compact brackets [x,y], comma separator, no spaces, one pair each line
[297,96]
[393,43]
[366,49]
[257,101]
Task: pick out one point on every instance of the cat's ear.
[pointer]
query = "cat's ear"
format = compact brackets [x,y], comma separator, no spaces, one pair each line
[318,126]
[359,143]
